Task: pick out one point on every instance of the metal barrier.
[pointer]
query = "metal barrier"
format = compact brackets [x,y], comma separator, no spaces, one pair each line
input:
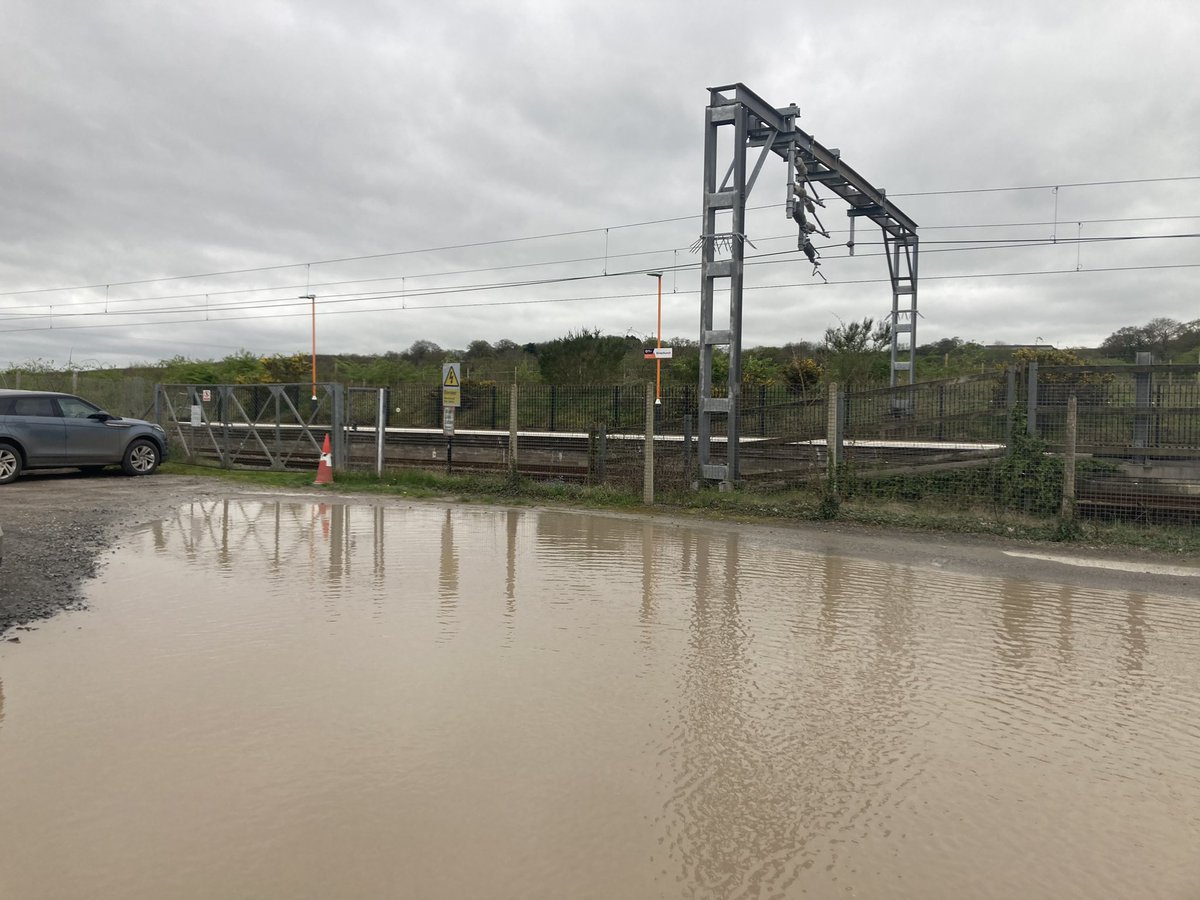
[271,426]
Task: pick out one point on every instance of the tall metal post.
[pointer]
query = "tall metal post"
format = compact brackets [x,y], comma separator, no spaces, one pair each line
[380,430]
[809,166]
[337,425]
[724,111]
[901,253]
[708,274]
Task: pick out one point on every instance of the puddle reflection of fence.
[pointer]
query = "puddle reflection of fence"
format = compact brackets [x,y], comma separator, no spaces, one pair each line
[276,535]
[823,601]
[344,544]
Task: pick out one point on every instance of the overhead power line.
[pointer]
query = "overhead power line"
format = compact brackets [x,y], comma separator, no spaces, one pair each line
[593,298]
[777,257]
[307,286]
[551,235]
[1049,187]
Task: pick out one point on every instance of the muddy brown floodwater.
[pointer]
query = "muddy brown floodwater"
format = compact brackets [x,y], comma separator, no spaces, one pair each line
[272,695]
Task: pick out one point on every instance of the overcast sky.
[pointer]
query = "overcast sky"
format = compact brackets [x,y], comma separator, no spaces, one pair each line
[416,165]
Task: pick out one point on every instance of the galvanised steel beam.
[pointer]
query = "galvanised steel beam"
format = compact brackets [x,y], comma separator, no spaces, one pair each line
[729,196]
[901,253]
[823,166]
[758,124]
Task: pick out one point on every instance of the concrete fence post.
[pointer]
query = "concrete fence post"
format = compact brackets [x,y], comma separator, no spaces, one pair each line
[225,392]
[601,452]
[648,477]
[689,480]
[512,431]
[833,433]
[1069,440]
[1142,404]
[1010,405]
[1031,406]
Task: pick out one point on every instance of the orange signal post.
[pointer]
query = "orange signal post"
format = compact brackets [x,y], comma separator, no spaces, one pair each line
[657,361]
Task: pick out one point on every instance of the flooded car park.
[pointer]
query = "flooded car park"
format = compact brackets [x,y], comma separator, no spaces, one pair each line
[278,696]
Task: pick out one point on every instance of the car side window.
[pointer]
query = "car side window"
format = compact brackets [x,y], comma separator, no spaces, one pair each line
[74,408]
[6,406]
[39,407]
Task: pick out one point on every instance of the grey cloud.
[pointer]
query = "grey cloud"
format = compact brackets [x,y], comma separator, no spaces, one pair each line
[153,140]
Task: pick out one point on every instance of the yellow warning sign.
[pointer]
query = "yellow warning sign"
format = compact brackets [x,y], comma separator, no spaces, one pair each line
[451,385]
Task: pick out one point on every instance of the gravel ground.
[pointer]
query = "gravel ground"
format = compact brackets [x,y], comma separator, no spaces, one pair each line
[59,525]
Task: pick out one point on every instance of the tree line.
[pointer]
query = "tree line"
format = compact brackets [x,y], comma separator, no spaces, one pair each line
[853,354]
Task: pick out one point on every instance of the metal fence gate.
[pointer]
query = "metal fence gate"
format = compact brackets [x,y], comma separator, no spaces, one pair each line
[271,426]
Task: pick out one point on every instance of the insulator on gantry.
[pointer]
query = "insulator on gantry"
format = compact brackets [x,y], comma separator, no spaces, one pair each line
[802,195]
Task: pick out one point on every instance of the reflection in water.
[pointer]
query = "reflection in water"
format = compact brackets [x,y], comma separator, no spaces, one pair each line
[512,520]
[378,544]
[448,578]
[321,699]
[1133,659]
[1066,644]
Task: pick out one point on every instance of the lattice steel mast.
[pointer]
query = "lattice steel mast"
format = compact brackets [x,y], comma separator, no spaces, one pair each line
[757,124]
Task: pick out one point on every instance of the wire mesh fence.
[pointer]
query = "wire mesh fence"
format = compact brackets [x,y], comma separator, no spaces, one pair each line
[1104,442]
[123,396]
[1116,443]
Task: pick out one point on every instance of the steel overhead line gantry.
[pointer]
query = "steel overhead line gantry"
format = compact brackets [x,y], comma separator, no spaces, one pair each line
[809,164]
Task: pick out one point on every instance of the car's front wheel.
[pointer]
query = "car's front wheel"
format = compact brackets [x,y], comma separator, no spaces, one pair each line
[10,463]
[141,458]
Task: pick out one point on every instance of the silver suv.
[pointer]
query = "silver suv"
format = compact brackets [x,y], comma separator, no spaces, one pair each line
[47,430]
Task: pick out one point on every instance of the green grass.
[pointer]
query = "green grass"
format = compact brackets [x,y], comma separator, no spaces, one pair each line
[784,506]
[422,484]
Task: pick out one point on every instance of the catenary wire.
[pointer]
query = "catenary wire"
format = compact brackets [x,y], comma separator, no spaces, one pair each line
[12,310]
[548,300]
[364,297]
[570,233]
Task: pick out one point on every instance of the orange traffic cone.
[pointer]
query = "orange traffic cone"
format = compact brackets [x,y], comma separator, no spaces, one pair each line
[325,466]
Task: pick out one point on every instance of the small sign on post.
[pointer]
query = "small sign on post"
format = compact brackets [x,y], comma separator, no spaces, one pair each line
[448,430]
[452,384]
[657,352]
